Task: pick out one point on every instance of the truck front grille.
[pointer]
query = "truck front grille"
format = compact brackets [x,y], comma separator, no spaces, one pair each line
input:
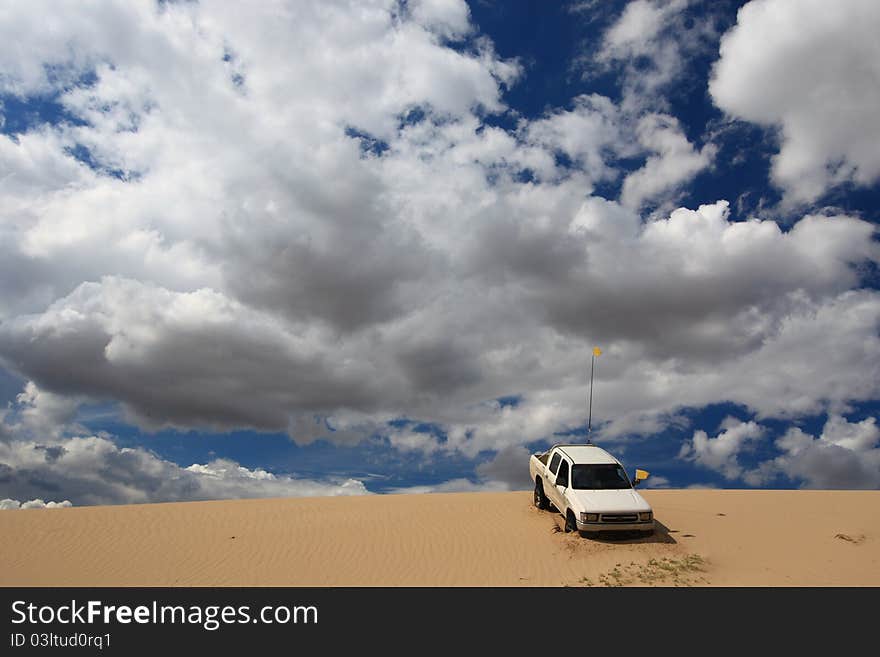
[620,517]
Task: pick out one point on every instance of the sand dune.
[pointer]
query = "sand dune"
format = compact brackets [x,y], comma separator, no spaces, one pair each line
[823,538]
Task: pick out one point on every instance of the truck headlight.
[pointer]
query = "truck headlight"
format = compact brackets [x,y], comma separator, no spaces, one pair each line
[589,517]
[645,516]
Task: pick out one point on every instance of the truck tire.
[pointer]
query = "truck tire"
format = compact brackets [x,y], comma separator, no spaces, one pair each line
[570,522]
[541,500]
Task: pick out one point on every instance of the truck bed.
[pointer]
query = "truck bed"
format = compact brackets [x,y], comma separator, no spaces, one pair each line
[537,465]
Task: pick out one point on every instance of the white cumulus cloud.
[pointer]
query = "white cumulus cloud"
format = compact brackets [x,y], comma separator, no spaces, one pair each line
[721,452]
[673,160]
[845,455]
[91,469]
[811,69]
[9,504]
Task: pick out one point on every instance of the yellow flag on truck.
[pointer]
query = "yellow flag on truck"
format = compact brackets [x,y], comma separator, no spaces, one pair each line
[641,475]
[597,351]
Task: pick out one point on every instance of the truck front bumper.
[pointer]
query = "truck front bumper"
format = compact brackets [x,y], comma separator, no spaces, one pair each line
[646,526]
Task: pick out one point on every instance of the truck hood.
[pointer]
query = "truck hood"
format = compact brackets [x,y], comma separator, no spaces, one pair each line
[610,501]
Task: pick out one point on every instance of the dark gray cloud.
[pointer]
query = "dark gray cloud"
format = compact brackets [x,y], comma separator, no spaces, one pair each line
[322,250]
[234,370]
[833,467]
[510,466]
[439,367]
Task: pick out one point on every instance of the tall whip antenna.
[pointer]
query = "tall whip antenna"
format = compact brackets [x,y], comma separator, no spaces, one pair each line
[596,352]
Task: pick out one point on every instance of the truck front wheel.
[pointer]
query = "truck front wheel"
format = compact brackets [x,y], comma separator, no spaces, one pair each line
[570,522]
[541,500]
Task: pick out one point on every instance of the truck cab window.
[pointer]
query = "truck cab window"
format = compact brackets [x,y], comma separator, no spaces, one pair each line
[562,477]
[554,462]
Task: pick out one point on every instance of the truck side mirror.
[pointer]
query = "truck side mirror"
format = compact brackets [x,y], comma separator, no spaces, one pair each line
[562,480]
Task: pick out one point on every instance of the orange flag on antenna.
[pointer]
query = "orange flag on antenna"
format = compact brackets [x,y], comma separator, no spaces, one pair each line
[597,351]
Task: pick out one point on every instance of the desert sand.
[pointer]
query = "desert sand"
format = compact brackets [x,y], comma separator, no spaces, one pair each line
[704,537]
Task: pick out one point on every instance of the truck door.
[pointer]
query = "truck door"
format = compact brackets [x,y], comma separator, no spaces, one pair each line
[561,484]
[550,477]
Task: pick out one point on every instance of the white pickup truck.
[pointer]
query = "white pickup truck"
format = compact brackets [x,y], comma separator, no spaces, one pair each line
[591,490]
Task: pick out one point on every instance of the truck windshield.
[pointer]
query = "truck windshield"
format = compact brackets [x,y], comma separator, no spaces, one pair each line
[602,476]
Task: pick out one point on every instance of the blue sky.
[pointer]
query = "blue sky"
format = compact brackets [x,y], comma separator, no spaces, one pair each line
[323,249]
